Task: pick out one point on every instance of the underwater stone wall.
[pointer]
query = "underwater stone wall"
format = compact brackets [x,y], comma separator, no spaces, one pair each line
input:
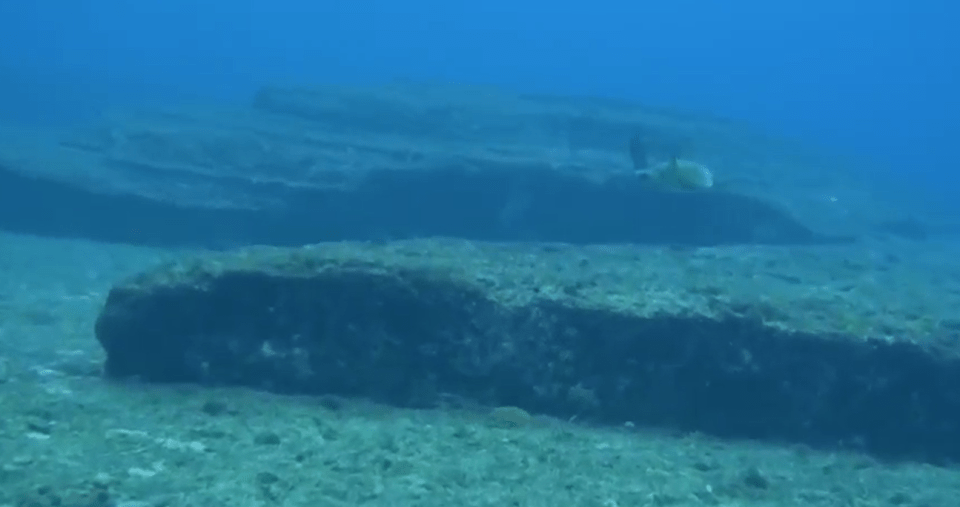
[300,166]
[729,343]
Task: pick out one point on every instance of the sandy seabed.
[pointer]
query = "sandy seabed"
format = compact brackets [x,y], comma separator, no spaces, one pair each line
[71,438]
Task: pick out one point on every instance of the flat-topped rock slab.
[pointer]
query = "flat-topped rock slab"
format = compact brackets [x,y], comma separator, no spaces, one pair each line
[327,163]
[823,345]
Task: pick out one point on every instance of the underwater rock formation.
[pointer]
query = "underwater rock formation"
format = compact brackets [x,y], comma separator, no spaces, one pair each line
[305,165]
[823,346]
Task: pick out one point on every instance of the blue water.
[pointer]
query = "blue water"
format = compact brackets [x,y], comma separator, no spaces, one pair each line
[874,79]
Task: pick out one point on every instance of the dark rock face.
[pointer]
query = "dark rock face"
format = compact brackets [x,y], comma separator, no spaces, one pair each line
[451,203]
[301,166]
[609,336]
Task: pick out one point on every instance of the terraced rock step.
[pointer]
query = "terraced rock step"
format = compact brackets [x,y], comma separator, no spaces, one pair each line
[826,346]
[300,166]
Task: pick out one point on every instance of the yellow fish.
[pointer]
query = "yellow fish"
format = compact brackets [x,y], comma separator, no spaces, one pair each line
[679,174]
[675,174]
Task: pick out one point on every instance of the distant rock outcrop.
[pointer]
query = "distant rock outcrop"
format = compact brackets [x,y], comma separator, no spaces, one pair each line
[306,165]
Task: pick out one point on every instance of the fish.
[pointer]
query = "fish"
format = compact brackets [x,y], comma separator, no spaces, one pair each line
[680,174]
[676,174]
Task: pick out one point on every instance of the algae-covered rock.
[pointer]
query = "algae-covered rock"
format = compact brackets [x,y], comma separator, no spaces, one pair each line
[325,163]
[815,345]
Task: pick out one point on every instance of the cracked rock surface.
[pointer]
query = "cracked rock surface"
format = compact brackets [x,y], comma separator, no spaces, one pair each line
[824,345]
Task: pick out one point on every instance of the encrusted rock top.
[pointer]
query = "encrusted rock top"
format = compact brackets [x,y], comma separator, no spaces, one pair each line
[849,291]
[811,345]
